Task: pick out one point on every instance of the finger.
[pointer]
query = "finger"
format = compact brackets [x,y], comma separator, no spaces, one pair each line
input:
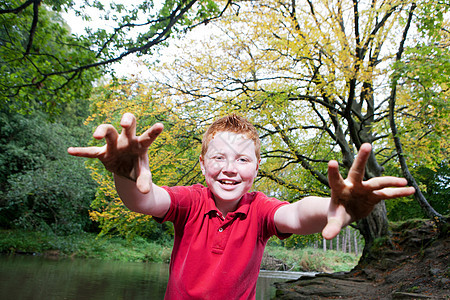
[109,133]
[335,179]
[144,177]
[336,220]
[332,229]
[128,123]
[149,136]
[378,183]
[356,173]
[89,152]
[390,193]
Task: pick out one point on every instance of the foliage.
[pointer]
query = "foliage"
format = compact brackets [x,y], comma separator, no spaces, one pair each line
[83,245]
[435,184]
[296,241]
[313,260]
[43,188]
[420,78]
[424,92]
[32,62]
[44,66]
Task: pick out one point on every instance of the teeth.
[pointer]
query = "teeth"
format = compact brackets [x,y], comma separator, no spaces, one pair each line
[227,182]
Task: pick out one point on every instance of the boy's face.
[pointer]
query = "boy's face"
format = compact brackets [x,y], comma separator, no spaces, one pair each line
[230,165]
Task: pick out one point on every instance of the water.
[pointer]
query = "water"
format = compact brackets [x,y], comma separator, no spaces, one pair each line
[39,278]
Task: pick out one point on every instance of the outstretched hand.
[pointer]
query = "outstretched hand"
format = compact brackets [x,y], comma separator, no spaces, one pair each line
[124,154]
[353,198]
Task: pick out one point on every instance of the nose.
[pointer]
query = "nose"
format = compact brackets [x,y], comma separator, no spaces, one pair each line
[229,167]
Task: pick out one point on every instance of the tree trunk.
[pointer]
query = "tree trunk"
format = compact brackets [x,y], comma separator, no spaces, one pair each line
[337,242]
[373,226]
[347,245]
[344,241]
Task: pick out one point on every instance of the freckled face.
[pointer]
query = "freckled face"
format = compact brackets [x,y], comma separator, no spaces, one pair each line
[230,166]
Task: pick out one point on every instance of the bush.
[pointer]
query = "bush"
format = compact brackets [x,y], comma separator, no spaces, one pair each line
[43,188]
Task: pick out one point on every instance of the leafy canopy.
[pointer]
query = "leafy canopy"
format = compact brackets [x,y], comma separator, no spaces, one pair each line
[43,65]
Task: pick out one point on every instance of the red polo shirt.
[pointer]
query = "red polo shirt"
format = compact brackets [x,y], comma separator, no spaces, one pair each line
[215,257]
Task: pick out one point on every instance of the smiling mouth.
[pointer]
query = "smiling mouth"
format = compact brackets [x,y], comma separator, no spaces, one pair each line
[228,182]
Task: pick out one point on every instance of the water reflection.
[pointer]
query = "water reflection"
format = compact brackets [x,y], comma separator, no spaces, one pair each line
[28,277]
[24,277]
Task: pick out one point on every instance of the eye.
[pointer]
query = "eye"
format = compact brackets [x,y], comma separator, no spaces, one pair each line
[218,157]
[243,159]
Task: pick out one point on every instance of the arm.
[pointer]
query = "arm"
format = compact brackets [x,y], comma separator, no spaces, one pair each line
[307,216]
[125,155]
[351,199]
[156,202]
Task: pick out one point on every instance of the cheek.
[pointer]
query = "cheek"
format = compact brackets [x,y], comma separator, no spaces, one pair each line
[211,168]
[249,173]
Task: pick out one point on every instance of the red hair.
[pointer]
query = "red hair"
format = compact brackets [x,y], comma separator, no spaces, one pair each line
[232,123]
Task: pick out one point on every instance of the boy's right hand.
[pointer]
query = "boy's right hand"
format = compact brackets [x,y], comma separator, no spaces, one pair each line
[124,154]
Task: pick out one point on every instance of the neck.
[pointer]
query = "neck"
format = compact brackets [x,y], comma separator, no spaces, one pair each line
[226,206]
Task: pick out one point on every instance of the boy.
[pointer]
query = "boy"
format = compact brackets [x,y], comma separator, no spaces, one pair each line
[221,230]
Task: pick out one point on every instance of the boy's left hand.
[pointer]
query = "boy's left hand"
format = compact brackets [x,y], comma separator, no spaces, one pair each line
[352,198]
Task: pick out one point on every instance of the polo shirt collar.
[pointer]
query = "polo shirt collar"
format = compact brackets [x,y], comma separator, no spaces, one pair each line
[241,210]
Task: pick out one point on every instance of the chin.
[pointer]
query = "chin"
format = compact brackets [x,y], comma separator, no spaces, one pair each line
[228,198]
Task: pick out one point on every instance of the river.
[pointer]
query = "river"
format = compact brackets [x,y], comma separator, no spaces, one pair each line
[41,278]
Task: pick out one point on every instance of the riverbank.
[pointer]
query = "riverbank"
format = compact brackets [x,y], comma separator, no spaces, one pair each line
[89,245]
[413,264]
[83,245]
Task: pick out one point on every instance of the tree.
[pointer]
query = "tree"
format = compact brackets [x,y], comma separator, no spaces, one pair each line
[311,75]
[34,49]
[42,188]
[43,65]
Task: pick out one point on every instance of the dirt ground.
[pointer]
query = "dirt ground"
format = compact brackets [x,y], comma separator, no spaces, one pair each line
[414,264]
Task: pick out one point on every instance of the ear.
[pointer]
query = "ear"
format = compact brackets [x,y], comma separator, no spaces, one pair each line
[202,164]
[257,167]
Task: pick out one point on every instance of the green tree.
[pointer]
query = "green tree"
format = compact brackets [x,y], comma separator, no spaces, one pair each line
[42,188]
[43,65]
[34,52]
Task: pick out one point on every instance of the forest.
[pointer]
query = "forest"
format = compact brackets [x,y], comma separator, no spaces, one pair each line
[317,78]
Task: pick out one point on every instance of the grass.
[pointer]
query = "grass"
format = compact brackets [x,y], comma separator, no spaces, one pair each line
[89,245]
[85,245]
[314,260]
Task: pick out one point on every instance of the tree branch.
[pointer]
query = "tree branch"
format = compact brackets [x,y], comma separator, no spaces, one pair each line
[291,186]
[304,162]
[429,210]
[17,9]
[36,4]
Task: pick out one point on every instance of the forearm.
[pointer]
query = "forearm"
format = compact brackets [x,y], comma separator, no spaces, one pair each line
[307,216]
[156,202]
